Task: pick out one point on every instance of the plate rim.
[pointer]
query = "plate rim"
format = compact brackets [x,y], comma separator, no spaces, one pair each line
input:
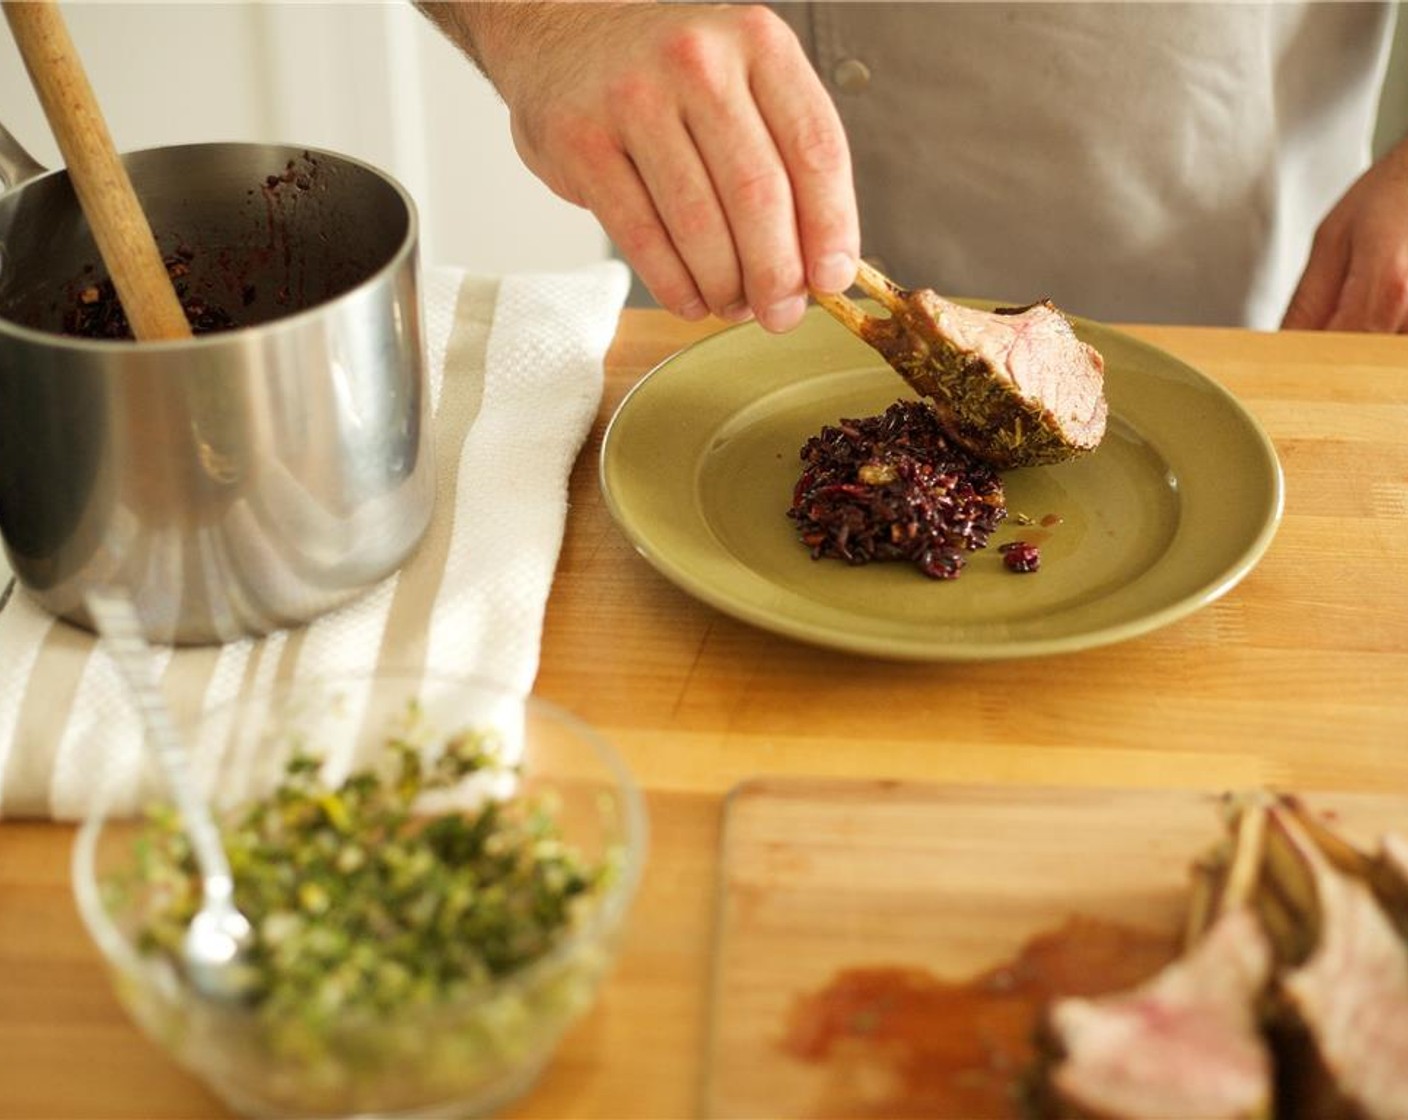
[890,647]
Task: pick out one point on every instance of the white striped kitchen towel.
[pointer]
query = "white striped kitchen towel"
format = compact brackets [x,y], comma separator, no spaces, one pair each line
[515,376]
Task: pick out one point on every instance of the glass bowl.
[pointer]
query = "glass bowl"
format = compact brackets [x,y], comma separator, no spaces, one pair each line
[462,1052]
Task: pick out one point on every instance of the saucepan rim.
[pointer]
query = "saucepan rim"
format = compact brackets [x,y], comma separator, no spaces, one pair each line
[292,321]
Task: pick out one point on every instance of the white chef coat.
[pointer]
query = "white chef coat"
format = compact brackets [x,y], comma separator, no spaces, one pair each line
[1141,162]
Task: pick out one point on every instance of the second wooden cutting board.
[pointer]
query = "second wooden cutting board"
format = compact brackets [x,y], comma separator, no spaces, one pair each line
[902,892]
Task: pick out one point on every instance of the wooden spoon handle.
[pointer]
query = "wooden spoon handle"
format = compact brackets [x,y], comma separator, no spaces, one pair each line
[124,238]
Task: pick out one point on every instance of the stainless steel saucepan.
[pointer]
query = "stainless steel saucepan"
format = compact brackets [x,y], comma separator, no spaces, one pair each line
[237,482]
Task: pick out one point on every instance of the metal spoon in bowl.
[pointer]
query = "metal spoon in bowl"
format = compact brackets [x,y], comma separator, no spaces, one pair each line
[218,934]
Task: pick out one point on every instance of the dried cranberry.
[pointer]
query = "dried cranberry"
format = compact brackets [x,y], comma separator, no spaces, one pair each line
[1019,556]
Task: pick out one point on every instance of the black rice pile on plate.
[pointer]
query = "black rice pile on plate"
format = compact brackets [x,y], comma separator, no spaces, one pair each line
[892,487]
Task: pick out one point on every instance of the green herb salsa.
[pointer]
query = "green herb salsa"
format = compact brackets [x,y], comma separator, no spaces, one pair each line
[369,911]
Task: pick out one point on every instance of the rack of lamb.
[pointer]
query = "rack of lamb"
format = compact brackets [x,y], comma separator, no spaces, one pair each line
[1015,387]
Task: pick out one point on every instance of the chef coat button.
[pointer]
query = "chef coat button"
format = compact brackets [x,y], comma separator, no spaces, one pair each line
[851,75]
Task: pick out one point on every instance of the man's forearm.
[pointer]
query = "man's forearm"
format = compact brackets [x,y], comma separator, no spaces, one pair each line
[461,23]
[493,33]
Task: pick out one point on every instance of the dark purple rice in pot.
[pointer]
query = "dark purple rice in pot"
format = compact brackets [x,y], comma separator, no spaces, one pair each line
[892,487]
[97,312]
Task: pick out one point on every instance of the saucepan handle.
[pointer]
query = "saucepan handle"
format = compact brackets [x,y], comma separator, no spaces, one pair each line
[16,164]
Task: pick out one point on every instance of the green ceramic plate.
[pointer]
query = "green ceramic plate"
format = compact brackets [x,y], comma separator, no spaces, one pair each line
[1178,503]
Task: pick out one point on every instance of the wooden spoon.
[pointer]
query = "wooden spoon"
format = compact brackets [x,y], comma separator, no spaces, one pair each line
[124,237]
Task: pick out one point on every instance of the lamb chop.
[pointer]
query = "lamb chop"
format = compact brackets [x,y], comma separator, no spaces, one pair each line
[1186,1044]
[1343,1030]
[1014,387]
[1385,871]
[1389,878]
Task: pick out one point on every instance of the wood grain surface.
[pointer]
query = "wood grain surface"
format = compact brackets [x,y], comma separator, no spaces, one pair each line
[1298,678]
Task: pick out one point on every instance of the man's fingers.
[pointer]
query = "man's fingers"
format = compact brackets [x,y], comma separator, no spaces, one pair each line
[812,143]
[1318,293]
[706,146]
[757,201]
[1374,296]
[1357,276]
[623,206]
[683,194]
[748,175]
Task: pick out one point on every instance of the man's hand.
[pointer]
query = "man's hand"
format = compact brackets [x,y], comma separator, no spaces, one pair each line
[1357,276]
[699,136]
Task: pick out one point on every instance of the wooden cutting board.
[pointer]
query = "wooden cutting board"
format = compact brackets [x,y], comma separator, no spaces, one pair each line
[902,892]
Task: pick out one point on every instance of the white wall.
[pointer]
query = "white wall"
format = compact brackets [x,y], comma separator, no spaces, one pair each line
[373,80]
